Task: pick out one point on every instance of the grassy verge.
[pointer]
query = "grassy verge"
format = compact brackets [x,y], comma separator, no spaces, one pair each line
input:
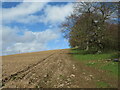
[98,61]
[102,84]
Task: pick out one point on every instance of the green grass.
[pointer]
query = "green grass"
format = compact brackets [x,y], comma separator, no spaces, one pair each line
[79,54]
[102,84]
[92,56]
[111,67]
[98,60]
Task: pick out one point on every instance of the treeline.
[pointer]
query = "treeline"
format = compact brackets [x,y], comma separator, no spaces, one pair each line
[93,26]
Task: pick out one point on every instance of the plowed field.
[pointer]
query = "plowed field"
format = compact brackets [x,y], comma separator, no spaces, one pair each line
[50,69]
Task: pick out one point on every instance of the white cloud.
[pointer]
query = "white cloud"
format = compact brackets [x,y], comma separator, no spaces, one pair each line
[56,13]
[22,12]
[28,42]
[29,19]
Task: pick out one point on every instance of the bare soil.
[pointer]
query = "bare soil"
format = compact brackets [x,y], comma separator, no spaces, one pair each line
[50,69]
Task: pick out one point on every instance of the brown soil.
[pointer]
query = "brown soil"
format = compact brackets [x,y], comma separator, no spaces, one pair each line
[50,69]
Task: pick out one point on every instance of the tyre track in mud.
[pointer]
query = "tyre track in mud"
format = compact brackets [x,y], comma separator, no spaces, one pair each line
[49,73]
[7,79]
[45,74]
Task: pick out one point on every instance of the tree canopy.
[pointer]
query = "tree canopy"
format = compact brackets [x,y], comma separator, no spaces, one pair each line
[92,26]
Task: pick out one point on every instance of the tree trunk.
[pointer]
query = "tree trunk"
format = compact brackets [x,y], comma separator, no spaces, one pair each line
[87,48]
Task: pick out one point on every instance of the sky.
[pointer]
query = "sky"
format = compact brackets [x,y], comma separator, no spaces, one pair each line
[33,26]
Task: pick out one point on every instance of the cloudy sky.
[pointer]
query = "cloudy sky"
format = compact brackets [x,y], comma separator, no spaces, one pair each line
[33,26]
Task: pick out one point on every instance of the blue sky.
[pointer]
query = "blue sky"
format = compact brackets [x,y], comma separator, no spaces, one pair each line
[33,26]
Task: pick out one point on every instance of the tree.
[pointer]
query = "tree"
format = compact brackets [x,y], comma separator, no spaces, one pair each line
[86,27]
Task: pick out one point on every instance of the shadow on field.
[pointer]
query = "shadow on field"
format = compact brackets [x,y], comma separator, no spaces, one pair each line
[73,53]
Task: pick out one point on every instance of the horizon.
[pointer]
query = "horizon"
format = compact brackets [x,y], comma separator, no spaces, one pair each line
[35,52]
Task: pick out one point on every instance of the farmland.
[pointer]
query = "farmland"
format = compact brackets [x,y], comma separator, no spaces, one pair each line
[53,69]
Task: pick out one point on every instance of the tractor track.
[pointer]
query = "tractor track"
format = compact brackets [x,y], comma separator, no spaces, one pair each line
[7,79]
